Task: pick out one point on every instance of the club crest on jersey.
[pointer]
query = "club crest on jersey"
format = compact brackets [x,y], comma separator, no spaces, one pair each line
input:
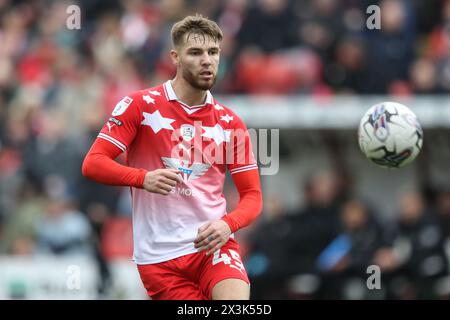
[122,106]
[187,131]
[188,172]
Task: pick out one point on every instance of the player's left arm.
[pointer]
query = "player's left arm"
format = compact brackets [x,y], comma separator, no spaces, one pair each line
[244,171]
[249,207]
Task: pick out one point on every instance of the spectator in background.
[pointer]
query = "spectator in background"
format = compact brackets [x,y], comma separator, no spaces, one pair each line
[346,258]
[348,73]
[269,243]
[11,179]
[424,78]
[439,38]
[63,230]
[20,230]
[313,228]
[318,221]
[419,243]
[52,153]
[443,209]
[322,26]
[390,49]
[261,73]
[439,48]
[268,25]
[297,237]
[266,29]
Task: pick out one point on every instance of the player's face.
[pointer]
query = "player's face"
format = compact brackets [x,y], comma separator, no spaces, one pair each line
[199,60]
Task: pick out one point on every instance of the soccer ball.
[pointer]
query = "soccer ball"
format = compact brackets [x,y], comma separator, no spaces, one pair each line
[390,135]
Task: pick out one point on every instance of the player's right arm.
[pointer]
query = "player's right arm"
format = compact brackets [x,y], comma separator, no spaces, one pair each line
[99,165]
[120,130]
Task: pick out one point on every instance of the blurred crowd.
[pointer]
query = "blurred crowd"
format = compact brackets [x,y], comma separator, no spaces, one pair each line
[330,247]
[57,87]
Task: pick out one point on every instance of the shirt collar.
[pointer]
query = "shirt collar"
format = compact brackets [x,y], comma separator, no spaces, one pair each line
[171,95]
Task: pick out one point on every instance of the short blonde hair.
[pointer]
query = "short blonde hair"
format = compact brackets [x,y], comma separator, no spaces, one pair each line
[195,25]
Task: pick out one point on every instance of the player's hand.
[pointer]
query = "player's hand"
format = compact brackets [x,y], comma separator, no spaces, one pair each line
[212,236]
[161,181]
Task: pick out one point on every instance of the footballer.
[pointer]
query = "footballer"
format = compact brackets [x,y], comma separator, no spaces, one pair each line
[179,143]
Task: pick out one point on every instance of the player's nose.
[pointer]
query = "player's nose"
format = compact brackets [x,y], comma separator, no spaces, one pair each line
[206,59]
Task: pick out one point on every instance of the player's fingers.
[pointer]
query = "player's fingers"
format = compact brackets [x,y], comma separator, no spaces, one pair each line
[164,186]
[208,248]
[169,182]
[203,230]
[200,243]
[210,245]
[215,248]
[162,191]
[204,240]
[203,233]
[173,175]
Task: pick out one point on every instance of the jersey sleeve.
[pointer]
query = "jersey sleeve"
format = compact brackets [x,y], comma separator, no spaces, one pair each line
[239,148]
[250,200]
[99,165]
[122,125]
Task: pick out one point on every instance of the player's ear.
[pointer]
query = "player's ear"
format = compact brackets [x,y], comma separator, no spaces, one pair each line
[174,57]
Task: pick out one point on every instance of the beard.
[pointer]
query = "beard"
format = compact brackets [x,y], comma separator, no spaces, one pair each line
[196,82]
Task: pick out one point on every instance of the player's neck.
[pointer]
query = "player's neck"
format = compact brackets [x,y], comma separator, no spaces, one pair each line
[188,94]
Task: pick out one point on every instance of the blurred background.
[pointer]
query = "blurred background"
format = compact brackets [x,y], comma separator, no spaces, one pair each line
[307,68]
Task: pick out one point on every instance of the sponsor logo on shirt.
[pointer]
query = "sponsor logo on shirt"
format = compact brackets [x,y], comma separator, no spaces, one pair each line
[188,172]
[188,192]
[115,121]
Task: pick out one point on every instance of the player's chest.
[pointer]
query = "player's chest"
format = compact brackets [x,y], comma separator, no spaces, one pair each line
[171,129]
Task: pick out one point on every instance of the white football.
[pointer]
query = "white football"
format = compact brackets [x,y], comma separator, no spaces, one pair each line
[390,135]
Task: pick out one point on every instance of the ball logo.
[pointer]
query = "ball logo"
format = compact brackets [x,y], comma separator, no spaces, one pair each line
[380,128]
[378,112]
[381,133]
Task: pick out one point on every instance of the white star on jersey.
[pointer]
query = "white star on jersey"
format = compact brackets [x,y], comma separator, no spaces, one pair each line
[156,121]
[217,134]
[148,99]
[226,118]
[156,93]
[218,107]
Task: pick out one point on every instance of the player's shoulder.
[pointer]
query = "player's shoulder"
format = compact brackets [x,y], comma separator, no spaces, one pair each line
[136,101]
[221,108]
[225,113]
[148,95]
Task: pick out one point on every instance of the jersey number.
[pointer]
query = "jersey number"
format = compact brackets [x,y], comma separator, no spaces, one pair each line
[234,262]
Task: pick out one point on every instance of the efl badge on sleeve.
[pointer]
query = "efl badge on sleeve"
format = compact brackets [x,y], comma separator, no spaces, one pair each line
[121,106]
